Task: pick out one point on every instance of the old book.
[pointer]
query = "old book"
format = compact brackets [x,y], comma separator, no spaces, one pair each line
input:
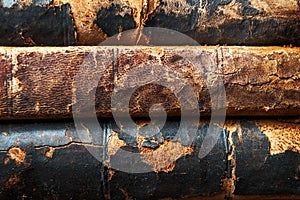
[89,22]
[246,81]
[253,158]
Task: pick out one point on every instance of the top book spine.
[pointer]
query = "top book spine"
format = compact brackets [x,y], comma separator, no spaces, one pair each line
[89,22]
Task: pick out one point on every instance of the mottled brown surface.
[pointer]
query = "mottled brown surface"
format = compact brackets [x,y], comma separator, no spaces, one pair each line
[240,22]
[260,81]
[44,81]
[267,76]
[283,135]
[249,22]
[4,73]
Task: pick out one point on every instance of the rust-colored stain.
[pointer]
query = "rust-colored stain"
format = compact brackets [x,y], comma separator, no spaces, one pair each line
[17,154]
[283,136]
[114,143]
[85,13]
[111,173]
[12,181]
[125,193]
[228,183]
[277,8]
[161,159]
[50,152]
[149,6]
[27,40]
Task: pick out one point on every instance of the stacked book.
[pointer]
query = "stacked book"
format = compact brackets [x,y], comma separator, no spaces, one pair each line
[149,99]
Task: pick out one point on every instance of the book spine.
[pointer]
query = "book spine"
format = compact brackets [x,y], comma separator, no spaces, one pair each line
[39,83]
[89,22]
[48,160]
